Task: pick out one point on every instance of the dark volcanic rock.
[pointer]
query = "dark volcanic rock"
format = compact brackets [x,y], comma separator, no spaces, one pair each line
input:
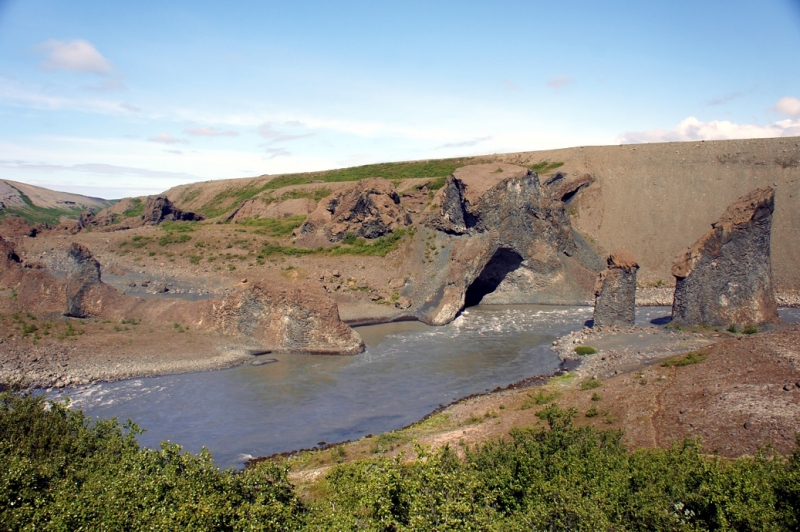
[511,243]
[726,277]
[615,295]
[83,272]
[286,319]
[158,209]
[370,208]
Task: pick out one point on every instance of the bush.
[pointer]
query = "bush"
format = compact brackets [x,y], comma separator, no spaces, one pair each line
[539,398]
[591,384]
[62,471]
[584,350]
[750,329]
[693,357]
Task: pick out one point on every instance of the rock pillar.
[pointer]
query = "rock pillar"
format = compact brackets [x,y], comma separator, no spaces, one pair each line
[726,277]
[615,294]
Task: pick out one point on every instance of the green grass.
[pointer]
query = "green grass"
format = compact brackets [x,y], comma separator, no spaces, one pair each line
[180,227]
[227,199]
[693,357]
[172,238]
[591,384]
[378,247]
[316,194]
[544,166]
[584,350]
[750,329]
[539,398]
[135,210]
[36,215]
[276,227]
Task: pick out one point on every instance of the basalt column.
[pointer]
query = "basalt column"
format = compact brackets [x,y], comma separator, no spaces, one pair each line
[726,277]
[615,294]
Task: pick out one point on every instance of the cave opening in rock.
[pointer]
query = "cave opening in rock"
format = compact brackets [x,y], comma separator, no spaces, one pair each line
[501,264]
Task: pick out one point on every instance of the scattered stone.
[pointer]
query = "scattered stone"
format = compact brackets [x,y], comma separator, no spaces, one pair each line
[161,288]
[132,284]
[615,293]
[788,387]
[726,277]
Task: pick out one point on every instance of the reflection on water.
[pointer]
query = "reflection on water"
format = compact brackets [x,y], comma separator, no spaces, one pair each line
[407,371]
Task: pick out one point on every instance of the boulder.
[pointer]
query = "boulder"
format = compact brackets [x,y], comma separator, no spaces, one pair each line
[370,209]
[726,276]
[158,209]
[615,294]
[286,319]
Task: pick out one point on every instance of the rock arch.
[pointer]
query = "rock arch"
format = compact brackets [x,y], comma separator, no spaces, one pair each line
[503,262]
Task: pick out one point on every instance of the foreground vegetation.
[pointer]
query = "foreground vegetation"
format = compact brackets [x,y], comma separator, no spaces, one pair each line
[62,472]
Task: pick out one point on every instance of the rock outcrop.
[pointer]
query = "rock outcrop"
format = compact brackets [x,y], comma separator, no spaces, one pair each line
[370,208]
[510,243]
[615,294]
[726,277]
[286,319]
[83,274]
[158,209]
[15,227]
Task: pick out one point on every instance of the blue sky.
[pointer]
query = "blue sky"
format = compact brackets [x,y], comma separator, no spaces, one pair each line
[124,98]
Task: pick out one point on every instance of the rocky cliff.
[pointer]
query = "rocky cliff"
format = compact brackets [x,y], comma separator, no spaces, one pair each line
[370,208]
[726,277]
[509,241]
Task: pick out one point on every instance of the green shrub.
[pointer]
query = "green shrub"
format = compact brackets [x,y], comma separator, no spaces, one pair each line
[750,329]
[733,328]
[584,350]
[693,357]
[593,411]
[539,398]
[591,384]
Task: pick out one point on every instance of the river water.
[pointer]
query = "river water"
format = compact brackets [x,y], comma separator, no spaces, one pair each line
[407,371]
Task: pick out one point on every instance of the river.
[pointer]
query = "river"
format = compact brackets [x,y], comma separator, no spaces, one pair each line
[407,370]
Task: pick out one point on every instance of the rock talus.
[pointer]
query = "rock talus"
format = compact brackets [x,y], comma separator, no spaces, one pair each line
[615,294]
[726,276]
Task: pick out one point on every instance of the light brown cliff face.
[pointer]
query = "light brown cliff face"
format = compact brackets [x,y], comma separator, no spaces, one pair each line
[726,277]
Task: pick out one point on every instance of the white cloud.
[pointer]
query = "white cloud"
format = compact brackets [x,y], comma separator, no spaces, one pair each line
[166,138]
[560,81]
[693,129]
[788,106]
[74,56]
[210,132]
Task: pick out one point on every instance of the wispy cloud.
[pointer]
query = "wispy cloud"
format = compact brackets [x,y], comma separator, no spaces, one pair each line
[788,106]
[560,81]
[130,107]
[725,99]
[97,169]
[209,132]
[463,144]
[107,85]
[73,56]
[166,138]
[509,85]
[273,153]
[268,131]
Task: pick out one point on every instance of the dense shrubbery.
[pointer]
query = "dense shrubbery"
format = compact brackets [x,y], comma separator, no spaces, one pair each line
[61,472]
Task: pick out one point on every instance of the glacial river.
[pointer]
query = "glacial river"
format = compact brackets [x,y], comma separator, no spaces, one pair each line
[407,371]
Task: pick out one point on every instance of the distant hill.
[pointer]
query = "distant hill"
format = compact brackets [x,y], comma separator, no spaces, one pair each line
[42,205]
